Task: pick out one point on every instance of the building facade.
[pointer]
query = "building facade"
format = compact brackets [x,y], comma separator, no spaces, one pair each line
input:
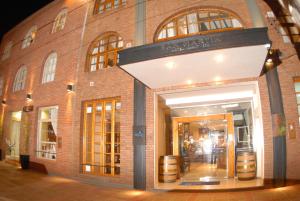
[101,90]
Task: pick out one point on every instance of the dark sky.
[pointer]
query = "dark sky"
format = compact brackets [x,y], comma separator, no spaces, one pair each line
[14,11]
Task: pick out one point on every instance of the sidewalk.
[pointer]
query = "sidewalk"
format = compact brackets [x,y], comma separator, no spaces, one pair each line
[17,185]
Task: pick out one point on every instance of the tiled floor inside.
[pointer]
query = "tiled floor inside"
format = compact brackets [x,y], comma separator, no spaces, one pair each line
[20,185]
[199,171]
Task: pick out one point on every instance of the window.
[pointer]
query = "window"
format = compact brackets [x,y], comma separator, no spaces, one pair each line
[101,137]
[103,52]
[49,68]
[1,85]
[199,21]
[297,90]
[20,79]
[29,38]
[60,21]
[7,50]
[47,132]
[106,5]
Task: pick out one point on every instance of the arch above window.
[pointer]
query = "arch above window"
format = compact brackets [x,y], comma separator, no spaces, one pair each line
[197,21]
[7,50]
[29,37]
[103,51]
[49,68]
[60,20]
[20,79]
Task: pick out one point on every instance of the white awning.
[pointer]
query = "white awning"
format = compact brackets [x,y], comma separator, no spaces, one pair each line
[200,67]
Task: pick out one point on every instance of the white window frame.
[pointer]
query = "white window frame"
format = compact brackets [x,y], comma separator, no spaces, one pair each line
[48,155]
[7,51]
[29,37]
[49,68]
[60,20]
[20,79]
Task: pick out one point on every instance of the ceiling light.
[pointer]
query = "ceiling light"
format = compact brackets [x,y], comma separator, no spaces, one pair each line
[211,97]
[170,65]
[189,81]
[217,79]
[219,58]
[230,105]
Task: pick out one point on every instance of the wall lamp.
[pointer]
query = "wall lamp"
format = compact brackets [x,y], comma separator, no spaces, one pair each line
[29,97]
[273,58]
[70,87]
[3,102]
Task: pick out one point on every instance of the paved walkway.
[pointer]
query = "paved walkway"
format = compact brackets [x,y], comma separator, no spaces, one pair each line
[17,185]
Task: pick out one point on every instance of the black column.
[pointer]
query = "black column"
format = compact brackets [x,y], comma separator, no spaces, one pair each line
[279,128]
[139,135]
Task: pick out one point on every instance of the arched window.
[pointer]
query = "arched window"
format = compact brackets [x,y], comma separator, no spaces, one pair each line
[49,68]
[60,21]
[198,21]
[106,5]
[103,51]
[7,50]
[29,37]
[20,79]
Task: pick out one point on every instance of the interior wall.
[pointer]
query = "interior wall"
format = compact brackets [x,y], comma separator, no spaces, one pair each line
[161,130]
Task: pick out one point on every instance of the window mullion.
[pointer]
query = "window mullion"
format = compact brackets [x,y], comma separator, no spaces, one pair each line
[113,103]
[93,137]
[84,140]
[102,144]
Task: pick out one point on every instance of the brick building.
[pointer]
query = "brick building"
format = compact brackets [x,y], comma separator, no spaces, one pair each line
[101,90]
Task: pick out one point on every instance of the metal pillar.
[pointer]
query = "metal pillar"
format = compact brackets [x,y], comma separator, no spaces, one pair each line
[279,128]
[139,127]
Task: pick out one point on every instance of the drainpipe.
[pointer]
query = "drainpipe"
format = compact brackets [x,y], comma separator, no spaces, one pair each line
[139,121]
[276,104]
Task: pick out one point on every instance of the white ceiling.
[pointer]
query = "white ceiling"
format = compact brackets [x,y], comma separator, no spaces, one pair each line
[200,67]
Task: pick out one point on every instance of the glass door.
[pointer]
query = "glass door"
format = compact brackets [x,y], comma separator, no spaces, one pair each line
[204,145]
[203,148]
[13,142]
[101,137]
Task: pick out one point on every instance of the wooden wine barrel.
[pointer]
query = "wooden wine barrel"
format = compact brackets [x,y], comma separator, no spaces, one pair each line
[167,169]
[246,165]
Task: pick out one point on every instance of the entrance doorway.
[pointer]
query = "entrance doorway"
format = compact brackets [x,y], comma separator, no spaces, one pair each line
[213,135]
[205,147]
[13,140]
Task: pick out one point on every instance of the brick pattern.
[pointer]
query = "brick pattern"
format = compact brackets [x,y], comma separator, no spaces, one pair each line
[286,71]
[71,45]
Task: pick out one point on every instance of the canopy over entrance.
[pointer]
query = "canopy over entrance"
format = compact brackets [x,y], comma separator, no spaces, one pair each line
[197,59]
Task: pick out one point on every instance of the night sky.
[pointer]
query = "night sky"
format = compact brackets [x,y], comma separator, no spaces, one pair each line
[12,12]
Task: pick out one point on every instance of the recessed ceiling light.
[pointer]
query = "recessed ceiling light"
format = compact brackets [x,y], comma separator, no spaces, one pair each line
[219,58]
[217,79]
[170,65]
[189,82]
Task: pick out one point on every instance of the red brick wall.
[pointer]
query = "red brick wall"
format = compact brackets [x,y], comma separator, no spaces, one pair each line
[49,94]
[109,82]
[71,45]
[287,70]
